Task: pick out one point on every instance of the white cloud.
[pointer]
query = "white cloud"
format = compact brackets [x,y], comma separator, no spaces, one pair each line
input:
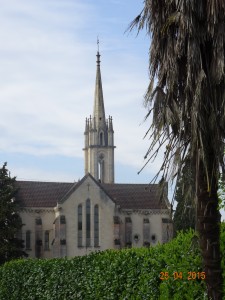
[38,174]
[47,77]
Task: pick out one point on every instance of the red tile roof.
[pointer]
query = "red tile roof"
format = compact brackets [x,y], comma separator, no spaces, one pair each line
[41,194]
[135,196]
[127,196]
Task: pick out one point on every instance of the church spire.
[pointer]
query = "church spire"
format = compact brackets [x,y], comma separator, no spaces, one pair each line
[99,110]
[99,137]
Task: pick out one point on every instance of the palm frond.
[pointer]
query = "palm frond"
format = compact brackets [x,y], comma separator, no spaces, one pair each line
[187,64]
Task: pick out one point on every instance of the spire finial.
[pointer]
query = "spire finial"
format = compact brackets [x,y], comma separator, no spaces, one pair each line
[98,55]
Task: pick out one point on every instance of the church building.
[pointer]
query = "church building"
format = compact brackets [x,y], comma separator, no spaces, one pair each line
[71,219]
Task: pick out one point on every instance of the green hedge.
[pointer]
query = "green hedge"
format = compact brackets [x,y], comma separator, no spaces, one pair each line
[126,274]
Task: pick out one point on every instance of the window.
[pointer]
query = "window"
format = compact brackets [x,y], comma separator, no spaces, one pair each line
[128,232]
[146,232]
[46,240]
[79,225]
[88,223]
[101,167]
[56,227]
[38,237]
[116,221]
[96,226]
[28,239]
[166,229]
[62,219]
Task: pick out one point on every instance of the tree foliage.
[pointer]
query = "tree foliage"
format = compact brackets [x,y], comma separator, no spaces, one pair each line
[185,214]
[186,96]
[11,245]
[221,192]
[186,99]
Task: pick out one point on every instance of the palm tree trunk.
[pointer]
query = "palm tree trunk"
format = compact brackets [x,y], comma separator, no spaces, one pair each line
[208,226]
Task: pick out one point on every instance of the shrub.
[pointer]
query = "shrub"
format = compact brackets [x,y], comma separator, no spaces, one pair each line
[113,274]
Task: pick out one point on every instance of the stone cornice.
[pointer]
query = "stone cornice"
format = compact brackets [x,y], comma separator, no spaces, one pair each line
[145,211]
[100,147]
[37,210]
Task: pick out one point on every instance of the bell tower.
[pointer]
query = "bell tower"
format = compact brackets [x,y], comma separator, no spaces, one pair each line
[99,137]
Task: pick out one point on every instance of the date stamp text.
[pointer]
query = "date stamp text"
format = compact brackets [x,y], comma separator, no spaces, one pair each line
[183,275]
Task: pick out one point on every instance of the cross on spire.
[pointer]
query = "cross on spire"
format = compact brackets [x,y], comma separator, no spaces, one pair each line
[98,55]
[98,43]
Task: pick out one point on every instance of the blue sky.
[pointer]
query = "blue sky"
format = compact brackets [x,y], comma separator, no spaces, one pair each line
[47,77]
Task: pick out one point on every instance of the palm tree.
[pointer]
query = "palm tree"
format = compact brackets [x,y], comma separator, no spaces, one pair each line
[186,99]
[185,213]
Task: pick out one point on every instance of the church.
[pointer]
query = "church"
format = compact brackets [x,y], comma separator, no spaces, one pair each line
[94,214]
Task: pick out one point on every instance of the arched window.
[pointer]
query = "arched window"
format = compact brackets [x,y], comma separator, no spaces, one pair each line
[146,232]
[96,226]
[79,225]
[101,171]
[128,231]
[101,168]
[88,223]
[28,239]
[46,240]
[38,237]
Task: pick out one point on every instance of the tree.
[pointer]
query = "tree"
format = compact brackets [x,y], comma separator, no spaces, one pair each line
[186,99]
[185,214]
[221,193]
[11,245]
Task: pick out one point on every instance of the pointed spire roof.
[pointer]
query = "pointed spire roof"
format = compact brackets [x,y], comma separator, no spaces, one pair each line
[99,110]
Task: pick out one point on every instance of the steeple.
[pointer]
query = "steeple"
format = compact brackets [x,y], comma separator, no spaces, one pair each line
[99,110]
[99,137]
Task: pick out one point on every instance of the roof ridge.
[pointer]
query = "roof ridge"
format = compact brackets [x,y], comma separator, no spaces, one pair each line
[43,181]
[146,184]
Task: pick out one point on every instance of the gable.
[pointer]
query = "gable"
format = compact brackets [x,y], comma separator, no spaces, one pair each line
[87,188]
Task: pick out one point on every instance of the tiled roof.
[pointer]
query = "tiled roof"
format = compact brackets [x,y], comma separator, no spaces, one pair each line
[135,196]
[41,194]
[127,196]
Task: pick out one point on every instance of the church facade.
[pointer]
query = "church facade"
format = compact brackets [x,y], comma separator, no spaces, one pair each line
[71,219]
